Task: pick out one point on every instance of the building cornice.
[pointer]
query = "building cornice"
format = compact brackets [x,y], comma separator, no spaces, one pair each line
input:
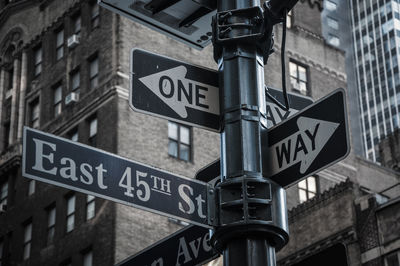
[315,3]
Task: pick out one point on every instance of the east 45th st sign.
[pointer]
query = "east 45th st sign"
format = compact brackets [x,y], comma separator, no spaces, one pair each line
[82,168]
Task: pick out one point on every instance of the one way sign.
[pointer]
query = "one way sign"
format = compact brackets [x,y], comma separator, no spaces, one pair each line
[307,142]
[174,90]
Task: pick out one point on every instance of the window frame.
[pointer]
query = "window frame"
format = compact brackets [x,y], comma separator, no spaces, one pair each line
[297,78]
[179,142]
[75,72]
[59,46]
[70,214]
[90,203]
[57,104]
[4,192]
[94,16]
[94,78]
[307,190]
[32,119]
[51,228]
[37,65]
[93,137]
[27,243]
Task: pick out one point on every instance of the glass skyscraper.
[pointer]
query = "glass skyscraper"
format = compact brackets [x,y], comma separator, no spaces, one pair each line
[371,38]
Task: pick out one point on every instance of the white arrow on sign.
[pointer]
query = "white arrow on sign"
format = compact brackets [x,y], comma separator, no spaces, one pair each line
[302,146]
[179,93]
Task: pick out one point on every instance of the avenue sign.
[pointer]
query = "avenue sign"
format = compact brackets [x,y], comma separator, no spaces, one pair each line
[78,167]
[305,143]
[174,90]
[308,142]
[189,246]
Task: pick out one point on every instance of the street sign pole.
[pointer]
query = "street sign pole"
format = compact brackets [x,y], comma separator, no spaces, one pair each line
[250,217]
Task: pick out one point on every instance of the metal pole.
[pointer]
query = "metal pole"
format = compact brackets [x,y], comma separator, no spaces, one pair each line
[251,211]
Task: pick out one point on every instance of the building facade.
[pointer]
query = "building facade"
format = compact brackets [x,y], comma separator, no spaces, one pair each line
[64,69]
[369,32]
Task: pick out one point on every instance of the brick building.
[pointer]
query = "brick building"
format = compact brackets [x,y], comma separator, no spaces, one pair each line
[64,69]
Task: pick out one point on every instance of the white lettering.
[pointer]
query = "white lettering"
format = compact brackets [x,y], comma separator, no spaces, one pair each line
[100,177]
[183,250]
[68,172]
[85,168]
[39,157]
[186,199]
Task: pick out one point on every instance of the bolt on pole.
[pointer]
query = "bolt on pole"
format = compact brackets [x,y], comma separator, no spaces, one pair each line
[251,216]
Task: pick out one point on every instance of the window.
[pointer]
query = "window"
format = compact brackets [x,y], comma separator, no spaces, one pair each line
[70,213]
[333,40]
[4,193]
[179,144]
[51,224]
[331,6]
[57,100]
[38,57]
[94,72]
[289,19]
[75,81]
[95,15]
[76,24]
[73,135]
[35,111]
[307,189]
[27,240]
[393,259]
[88,258]
[298,78]
[59,44]
[31,187]
[93,132]
[90,207]
[333,23]
[10,79]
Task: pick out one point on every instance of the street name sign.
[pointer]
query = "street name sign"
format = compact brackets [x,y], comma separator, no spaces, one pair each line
[308,142]
[82,168]
[188,246]
[188,21]
[174,90]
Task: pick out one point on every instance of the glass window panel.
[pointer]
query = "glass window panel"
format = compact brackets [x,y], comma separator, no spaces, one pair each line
[303,184]
[88,259]
[293,69]
[28,233]
[184,152]
[94,67]
[35,111]
[38,56]
[90,211]
[302,73]
[71,205]
[75,136]
[1,250]
[185,135]
[76,79]
[90,198]
[31,187]
[95,11]
[60,38]
[312,186]
[57,94]
[51,218]
[173,130]
[70,223]
[77,24]
[93,127]
[302,196]
[50,235]
[173,148]
[27,250]
[393,259]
